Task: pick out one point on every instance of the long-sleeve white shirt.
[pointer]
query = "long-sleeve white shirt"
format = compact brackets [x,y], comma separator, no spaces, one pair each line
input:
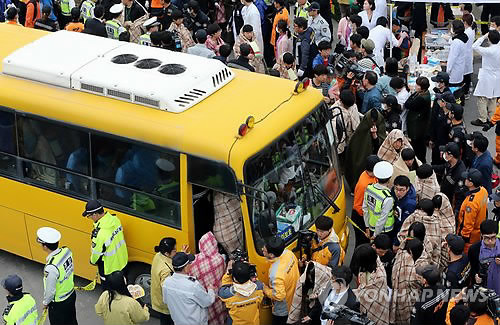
[488,84]
[381,35]
[455,66]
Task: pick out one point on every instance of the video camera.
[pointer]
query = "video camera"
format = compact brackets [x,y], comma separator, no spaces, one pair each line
[239,255]
[344,65]
[335,311]
[493,301]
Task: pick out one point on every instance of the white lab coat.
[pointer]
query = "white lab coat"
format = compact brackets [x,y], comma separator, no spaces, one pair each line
[488,84]
[251,16]
[455,66]
[381,35]
[368,23]
[469,57]
[381,8]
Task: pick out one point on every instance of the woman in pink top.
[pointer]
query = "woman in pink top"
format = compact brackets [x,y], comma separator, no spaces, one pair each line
[214,40]
[284,42]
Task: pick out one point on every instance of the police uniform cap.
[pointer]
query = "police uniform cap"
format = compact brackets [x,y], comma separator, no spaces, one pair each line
[164,165]
[441,77]
[367,44]
[474,176]
[451,148]
[383,170]
[117,8]
[48,235]
[92,206]
[429,272]
[390,100]
[11,13]
[151,22]
[182,259]
[13,284]
[371,161]
[424,171]
[496,195]
[313,6]
[456,109]
[323,223]
[455,243]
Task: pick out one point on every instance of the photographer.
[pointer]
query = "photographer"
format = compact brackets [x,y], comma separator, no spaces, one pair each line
[484,257]
[241,294]
[372,96]
[325,246]
[477,301]
[431,307]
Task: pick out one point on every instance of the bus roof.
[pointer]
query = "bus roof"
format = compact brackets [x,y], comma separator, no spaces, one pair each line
[207,129]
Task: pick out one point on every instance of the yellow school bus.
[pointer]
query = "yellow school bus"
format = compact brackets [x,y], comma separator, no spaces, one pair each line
[155,135]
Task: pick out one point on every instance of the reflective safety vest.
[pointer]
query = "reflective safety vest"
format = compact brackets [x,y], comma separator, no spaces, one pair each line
[21,312]
[87,10]
[145,39]
[113,29]
[375,198]
[108,244]
[63,261]
[65,9]
[302,11]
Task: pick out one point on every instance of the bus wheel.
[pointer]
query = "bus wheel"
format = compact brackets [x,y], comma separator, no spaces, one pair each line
[140,274]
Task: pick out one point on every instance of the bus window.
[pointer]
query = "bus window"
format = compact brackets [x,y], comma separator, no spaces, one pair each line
[211,174]
[56,155]
[137,178]
[293,176]
[7,143]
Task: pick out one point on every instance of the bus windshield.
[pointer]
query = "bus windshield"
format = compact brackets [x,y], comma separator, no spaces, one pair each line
[292,180]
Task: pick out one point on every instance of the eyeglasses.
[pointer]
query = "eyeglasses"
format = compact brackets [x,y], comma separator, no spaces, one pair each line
[489,238]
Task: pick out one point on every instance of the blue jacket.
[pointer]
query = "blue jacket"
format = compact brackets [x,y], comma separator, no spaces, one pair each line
[49,4]
[318,59]
[371,99]
[484,164]
[262,7]
[3,7]
[406,206]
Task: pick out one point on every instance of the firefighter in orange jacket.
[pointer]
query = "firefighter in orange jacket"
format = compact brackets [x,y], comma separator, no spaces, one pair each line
[493,122]
[473,209]
[325,248]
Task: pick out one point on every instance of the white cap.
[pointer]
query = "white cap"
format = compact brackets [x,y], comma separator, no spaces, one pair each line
[383,170]
[164,165]
[153,21]
[116,9]
[47,235]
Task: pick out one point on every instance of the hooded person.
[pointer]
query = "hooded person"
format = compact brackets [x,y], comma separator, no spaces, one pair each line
[363,143]
[390,150]
[311,288]
[346,120]
[208,268]
[228,221]
[426,183]
[406,164]
[247,35]
[444,213]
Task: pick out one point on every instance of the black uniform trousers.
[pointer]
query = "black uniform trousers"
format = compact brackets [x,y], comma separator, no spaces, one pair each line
[63,312]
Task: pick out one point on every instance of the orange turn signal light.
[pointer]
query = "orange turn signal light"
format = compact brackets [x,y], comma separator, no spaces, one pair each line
[302,85]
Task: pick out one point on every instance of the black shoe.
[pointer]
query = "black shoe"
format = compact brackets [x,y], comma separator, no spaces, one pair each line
[478,122]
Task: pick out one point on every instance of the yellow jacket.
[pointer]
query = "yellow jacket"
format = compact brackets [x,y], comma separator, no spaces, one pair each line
[243,310]
[124,310]
[328,251]
[283,276]
[160,270]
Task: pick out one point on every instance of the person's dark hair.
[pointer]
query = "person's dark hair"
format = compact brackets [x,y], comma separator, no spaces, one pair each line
[356,20]
[320,69]
[75,14]
[274,73]
[356,39]
[397,83]
[468,19]
[99,11]
[225,50]
[468,7]
[156,38]
[363,31]
[280,2]
[427,206]
[402,180]
[241,272]
[496,20]
[407,154]
[424,171]
[124,36]
[166,245]
[391,65]
[212,29]
[481,143]
[488,227]
[415,247]
[177,14]
[372,78]
[275,246]
[283,25]
[288,58]
[116,285]
[11,13]
[51,246]
[364,259]
[382,241]
[458,27]
[323,223]
[245,49]
[423,82]
[459,315]
[494,36]
[437,201]
[342,273]
[201,38]
[324,45]
[301,22]
[478,302]
[193,4]
[382,21]
[347,98]
[372,4]
[418,230]
[247,28]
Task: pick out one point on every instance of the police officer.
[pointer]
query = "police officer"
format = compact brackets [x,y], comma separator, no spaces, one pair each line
[318,24]
[378,204]
[21,309]
[185,297]
[473,210]
[59,290]
[241,295]
[325,247]
[109,250]
[196,19]
[151,25]
[66,6]
[87,10]
[113,26]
